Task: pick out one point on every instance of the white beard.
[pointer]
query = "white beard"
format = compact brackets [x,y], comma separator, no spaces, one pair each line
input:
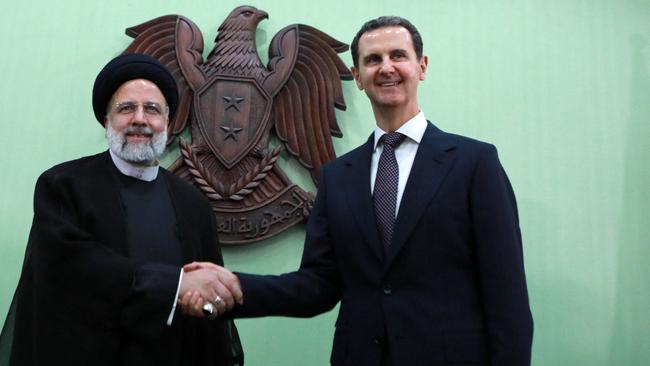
[139,153]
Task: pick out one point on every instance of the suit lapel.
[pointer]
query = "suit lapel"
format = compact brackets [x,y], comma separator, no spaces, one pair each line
[431,165]
[358,196]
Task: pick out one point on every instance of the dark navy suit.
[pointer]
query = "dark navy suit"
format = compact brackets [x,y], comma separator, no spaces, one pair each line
[451,290]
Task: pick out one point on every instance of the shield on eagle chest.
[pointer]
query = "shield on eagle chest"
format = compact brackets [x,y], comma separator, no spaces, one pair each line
[232,115]
[231,102]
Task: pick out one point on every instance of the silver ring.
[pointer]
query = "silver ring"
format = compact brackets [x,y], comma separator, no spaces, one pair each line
[208,309]
[218,300]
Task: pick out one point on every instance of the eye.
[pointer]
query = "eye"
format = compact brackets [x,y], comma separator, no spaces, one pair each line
[372,59]
[398,56]
[125,108]
[247,13]
[153,109]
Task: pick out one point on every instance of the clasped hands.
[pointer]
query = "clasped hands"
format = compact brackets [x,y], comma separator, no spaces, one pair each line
[207,283]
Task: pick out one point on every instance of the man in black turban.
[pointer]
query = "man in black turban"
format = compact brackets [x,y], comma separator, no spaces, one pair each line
[110,235]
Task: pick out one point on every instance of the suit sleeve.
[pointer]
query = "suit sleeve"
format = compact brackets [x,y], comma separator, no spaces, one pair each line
[500,264]
[313,288]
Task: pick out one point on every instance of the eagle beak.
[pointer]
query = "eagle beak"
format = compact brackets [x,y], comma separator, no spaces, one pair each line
[261,14]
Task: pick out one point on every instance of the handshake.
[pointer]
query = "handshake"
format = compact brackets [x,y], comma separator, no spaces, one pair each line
[208,290]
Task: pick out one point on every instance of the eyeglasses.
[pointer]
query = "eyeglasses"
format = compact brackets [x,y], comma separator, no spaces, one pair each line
[150,109]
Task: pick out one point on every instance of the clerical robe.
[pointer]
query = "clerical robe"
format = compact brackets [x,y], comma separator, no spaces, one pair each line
[83,297]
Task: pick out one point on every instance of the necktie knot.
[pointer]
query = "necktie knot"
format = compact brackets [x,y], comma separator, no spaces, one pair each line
[393,139]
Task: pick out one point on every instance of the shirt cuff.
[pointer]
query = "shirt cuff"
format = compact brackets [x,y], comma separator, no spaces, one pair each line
[178,289]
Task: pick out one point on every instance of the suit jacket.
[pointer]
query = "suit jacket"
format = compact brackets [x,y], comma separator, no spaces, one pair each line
[451,289]
[82,301]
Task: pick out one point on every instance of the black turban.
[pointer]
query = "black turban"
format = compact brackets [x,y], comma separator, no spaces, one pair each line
[129,67]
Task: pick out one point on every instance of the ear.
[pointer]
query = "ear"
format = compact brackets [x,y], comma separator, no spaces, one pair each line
[424,62]
[105,121]
[357,78]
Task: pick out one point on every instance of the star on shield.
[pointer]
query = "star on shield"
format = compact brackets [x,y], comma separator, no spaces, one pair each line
[232,101]
[231,131]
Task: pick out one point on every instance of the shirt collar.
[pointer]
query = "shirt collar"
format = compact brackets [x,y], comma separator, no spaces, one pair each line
[413,129]
[145,173]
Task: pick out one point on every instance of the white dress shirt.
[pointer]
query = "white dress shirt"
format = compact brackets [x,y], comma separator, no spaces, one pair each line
[413,129]
[147,174]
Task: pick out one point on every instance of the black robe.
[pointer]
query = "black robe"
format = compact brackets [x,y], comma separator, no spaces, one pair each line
[81,300]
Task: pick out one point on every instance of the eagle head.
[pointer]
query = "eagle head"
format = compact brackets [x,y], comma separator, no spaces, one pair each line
[235,52]
[243,18]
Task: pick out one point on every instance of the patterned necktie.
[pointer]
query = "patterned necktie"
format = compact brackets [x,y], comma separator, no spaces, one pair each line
[385,193]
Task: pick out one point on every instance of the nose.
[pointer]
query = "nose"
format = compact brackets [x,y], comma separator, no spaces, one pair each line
[387,66]
[138,115]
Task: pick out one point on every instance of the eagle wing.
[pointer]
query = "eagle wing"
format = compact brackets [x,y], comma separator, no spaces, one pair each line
[177,43]
[305,72]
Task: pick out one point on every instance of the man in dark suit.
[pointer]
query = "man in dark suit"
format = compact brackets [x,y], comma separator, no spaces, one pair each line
[415,232]
[111,232]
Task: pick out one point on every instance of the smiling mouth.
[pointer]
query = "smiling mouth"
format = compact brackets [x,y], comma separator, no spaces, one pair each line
[137,136]
[389,84]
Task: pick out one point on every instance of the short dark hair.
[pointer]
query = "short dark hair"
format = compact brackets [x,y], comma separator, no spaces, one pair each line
[382,22]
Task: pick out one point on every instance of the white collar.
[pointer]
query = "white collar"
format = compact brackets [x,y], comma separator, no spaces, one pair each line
[145,173]
[413,129]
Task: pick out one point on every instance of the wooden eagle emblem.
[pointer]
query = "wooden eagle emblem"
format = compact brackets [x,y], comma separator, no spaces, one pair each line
[231,102]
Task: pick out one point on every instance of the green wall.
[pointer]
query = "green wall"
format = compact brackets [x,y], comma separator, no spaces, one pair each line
[562,87]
